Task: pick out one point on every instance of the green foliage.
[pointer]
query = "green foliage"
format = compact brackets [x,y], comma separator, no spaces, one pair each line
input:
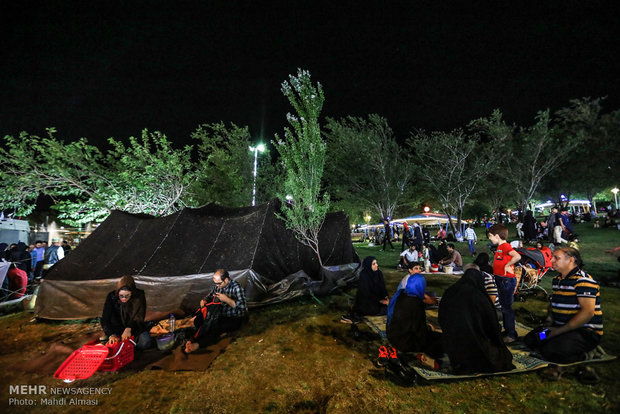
[367,169]
[454,164]
[146,176]
[534,152]
[596,135]
[302,154]
[33,165]
[226,164]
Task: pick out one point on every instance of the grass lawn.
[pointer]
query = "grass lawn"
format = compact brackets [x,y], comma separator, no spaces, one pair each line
[297,357]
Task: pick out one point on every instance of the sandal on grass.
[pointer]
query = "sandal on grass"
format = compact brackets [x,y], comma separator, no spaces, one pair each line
[552,373]
[588,376]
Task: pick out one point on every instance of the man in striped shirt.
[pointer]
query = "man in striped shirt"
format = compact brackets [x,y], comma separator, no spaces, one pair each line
[575,312]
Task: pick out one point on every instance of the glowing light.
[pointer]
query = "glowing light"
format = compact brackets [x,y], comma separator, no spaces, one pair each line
[256,150]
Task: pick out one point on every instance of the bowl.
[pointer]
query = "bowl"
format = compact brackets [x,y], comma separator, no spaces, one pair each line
[165,342]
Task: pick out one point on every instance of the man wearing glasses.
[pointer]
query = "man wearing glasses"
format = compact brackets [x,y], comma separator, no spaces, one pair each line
[232,314]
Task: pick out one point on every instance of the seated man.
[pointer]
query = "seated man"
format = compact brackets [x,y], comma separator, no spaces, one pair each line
[406,321]
[232,314]
[454,258]
[411,255]
[575,313]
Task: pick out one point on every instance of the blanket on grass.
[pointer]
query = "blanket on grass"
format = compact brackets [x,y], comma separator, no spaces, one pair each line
[523,359]
[47,363]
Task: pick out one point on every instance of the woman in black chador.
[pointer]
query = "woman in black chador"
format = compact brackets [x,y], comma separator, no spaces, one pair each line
[471,333]
[372,297]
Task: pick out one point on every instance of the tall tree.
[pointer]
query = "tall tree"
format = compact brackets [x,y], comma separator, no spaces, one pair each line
[455,165]
[535,151]
[226,166]
[366,167]
[302,152]
[597,135]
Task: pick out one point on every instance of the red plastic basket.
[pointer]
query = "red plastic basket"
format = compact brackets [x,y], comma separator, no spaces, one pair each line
[82,363]
[120,354]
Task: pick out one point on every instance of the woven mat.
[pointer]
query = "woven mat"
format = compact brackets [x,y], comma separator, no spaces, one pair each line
[522,358]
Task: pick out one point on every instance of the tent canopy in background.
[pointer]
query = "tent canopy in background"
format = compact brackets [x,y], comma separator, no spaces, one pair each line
[173,259]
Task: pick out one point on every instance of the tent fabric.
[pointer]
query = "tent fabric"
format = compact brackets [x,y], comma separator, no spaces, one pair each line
[173,259]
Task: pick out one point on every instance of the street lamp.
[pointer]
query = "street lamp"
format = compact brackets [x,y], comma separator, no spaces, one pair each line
[615,191]
[256,149]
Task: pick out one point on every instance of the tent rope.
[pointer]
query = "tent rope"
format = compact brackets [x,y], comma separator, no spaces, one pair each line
[315,298]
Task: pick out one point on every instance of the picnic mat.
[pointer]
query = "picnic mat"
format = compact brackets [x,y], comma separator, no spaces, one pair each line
[48,362]
[522,358]
[378,323]
[196,361]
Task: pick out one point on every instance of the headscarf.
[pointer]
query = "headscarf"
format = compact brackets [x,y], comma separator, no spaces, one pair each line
[472,336]
[416,287]
[482,260]
[134,310]
[367,264]
[371,289]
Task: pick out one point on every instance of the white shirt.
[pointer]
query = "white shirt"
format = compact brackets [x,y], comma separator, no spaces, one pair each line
[411,256]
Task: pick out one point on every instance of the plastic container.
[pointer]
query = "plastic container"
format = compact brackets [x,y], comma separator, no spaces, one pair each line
[82,363]
[165,342]
[172,322]
[119,354]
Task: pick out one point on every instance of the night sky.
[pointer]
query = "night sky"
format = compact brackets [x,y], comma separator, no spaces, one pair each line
[101,69]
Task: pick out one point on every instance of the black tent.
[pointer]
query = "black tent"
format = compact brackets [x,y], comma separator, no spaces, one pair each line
[173,259]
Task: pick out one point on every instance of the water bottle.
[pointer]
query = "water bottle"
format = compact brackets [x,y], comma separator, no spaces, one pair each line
[172,321]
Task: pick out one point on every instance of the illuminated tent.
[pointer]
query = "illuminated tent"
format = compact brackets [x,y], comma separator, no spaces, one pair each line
[173,259]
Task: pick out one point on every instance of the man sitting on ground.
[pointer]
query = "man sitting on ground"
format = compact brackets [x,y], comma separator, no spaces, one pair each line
[411,255]
[454,258]
[575,314]
[233,312]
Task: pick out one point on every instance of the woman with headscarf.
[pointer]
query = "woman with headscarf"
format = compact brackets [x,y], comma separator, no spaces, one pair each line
[124,312]
[372,297]
[482,260]
[407,330]
[471,333]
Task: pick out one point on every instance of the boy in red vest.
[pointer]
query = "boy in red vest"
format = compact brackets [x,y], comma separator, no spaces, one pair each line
[505,279]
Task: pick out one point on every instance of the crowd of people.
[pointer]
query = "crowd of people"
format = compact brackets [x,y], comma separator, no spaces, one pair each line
[473,311]
[28,264]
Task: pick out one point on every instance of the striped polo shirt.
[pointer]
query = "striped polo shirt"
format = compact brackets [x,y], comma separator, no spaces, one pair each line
[564,301]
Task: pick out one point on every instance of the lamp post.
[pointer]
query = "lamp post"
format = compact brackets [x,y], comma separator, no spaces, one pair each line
[615,191]
[256,149]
